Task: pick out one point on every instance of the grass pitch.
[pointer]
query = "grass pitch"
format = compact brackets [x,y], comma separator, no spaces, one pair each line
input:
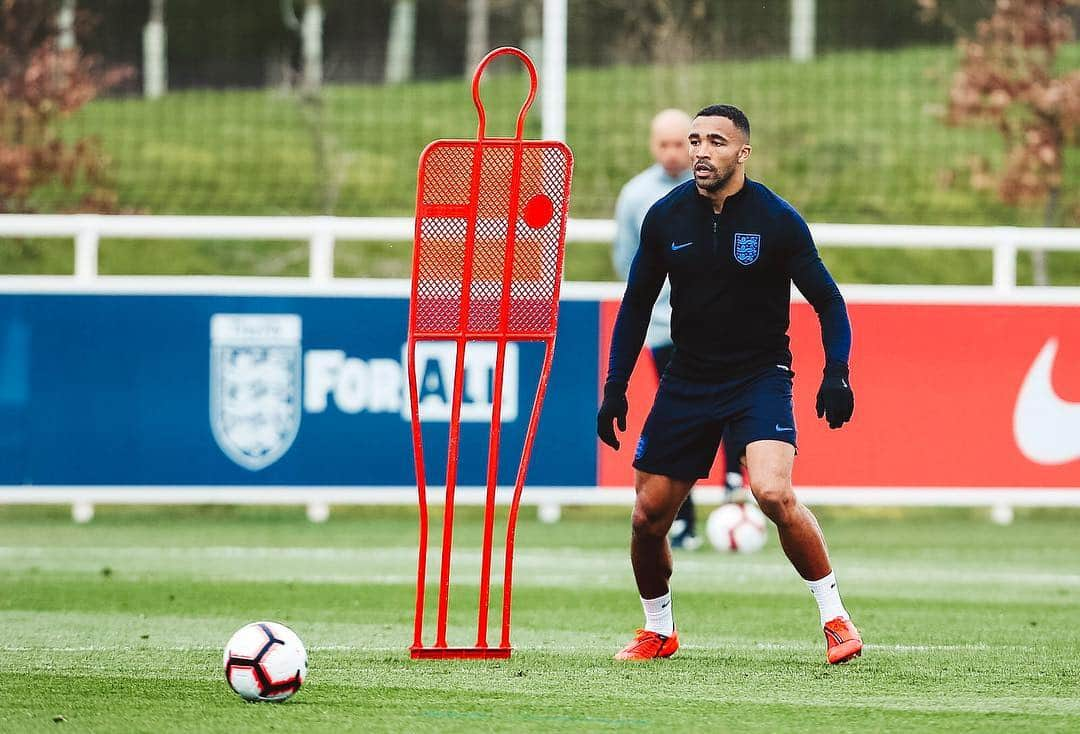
[118,626]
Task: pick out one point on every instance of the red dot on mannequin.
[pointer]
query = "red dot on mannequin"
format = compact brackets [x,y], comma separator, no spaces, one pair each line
[538,211]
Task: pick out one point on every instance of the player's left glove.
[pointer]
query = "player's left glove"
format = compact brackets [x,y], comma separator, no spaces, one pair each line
[835,401]
[612,409]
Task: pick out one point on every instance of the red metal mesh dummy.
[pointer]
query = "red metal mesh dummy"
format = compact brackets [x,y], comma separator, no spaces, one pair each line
[487,265]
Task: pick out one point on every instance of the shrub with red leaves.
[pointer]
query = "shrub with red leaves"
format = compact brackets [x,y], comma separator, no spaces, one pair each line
[1007,78]
[40,85]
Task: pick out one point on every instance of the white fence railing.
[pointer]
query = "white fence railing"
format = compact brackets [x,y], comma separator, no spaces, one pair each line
[322,233]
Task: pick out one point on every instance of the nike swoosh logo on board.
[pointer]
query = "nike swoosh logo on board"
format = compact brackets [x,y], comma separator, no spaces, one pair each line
[1046,428]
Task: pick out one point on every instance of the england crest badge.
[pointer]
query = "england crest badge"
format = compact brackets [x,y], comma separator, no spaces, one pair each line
[747,248]
[255,386]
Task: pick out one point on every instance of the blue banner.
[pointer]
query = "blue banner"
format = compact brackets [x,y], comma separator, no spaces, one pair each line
[256,390]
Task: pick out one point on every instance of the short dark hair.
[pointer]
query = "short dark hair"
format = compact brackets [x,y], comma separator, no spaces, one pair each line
[729,111]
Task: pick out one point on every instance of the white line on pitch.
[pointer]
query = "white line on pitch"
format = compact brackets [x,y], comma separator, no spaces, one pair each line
[720,646]
[567,562]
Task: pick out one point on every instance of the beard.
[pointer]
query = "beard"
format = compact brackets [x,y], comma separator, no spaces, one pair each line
[716,183]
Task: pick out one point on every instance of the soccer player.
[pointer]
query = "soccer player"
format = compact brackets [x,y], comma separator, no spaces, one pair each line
[730,248]
[671,167]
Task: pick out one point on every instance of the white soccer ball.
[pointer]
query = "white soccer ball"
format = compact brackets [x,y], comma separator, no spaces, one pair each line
[737,527]
[1001,514]
[265,661]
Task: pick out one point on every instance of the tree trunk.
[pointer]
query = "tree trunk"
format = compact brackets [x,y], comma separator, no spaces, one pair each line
[532,34]
[65,32]
[476,40]
[329,166]
[402,41]
[1040,274]
[311,29]
[802,30]
[65,25]
[155,69]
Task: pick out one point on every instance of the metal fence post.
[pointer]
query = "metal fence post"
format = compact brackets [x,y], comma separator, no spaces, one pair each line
[321,259]
[86,251]
[1004,260]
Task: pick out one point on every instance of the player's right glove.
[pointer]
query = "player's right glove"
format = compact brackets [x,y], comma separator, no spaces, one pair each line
[835,401]
[612,409]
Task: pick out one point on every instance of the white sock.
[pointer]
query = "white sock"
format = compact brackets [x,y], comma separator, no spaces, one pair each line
[827,597]
[658,616]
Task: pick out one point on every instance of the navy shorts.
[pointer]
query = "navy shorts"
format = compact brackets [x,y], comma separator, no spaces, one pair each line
[688,419]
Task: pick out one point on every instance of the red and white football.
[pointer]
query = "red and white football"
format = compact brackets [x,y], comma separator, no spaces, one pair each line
[737,527]
[265,661]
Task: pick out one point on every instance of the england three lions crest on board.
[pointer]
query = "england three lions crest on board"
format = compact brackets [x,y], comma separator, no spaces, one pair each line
[255,386]
[747,248]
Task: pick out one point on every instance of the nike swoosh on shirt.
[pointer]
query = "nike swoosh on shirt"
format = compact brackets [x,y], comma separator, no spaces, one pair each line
[675,247]
[1046,428]
[781,428]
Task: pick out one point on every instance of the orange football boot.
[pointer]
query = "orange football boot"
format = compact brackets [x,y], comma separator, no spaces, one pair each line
[648,645]
[843,639]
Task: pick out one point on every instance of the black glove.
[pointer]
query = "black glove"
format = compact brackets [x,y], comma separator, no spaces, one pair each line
[835,401]
[613,408]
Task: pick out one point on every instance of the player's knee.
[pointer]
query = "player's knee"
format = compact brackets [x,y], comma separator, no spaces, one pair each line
[776,500]
[649,520]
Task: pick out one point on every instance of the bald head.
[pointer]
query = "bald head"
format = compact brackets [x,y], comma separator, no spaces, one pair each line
[667,141]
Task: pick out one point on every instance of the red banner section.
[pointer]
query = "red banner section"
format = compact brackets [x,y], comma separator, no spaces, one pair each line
[945,395]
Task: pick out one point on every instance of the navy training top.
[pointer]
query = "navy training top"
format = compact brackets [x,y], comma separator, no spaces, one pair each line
[731,276]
